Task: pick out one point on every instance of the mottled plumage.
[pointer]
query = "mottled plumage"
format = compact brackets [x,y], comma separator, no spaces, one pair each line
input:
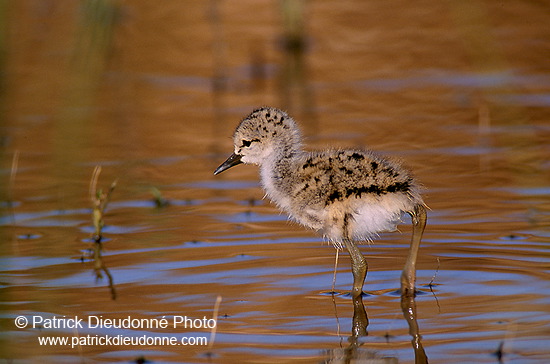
[346,195]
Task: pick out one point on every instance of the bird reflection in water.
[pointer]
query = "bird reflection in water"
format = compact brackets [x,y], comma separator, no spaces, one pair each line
[354,352]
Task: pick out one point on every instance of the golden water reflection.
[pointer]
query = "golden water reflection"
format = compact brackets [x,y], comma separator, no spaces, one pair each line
[152,93]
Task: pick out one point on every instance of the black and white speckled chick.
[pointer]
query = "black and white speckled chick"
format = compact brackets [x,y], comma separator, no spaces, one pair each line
[343,194]
[346,195]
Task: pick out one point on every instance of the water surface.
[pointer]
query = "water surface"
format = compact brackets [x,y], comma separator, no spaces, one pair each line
[152,94]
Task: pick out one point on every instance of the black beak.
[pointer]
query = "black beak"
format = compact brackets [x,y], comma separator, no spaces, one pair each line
[233,160]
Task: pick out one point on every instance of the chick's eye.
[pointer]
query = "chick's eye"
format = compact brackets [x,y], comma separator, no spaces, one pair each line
[247,143]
